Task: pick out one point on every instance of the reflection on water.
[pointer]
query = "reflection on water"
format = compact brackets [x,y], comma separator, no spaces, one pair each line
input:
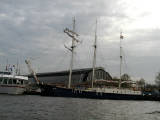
[59,108]
[154,112]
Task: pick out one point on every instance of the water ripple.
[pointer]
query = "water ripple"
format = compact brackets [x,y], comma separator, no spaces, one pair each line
[59,108]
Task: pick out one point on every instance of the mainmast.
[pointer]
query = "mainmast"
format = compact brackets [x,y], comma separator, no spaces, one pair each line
[94,57]
[73,35]
[121,38]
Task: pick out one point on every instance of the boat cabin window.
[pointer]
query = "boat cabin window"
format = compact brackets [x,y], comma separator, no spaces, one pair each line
[18,82]
[5,81]
[25,82]
[14,81]
[10,81]
[21,82]
[1,79]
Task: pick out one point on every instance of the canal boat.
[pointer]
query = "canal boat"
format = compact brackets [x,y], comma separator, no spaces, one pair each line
[12,84]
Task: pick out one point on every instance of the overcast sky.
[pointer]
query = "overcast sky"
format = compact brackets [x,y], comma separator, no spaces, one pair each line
[34,29]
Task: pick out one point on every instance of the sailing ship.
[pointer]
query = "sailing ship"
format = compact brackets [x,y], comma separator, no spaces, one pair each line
[11,83]
[94,91]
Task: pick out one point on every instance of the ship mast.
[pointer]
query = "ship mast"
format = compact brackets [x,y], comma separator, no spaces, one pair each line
[73,35]
[94,57]
[120,79]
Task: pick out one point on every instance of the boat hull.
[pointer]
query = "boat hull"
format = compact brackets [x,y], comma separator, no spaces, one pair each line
[65,92]
[12,89]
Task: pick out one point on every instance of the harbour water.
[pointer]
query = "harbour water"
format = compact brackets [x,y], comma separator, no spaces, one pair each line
[27,107]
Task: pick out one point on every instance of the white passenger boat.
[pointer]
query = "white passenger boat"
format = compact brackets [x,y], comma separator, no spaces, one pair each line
[12,84]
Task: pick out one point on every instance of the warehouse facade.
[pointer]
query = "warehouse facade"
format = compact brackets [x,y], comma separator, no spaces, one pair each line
[79,76]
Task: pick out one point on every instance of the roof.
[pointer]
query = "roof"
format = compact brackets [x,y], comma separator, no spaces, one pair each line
[5,72]
[14,76]
[75,71]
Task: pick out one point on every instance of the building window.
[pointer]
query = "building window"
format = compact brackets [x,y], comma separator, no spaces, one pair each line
[107,76]
[89,77]
[80,79]
[104,75]
[97,74]
[101,74]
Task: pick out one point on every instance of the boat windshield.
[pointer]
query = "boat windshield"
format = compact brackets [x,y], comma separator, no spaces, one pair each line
[10,81]
[1,80]
[5,81]
[13,81]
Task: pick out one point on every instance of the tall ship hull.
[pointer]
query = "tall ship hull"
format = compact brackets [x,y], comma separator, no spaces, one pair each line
[96,91]
[48,90]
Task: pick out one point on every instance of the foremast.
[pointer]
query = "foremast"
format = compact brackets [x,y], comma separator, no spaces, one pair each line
[73,35]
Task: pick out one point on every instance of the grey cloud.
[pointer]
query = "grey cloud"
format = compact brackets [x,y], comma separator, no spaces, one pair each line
[34,28]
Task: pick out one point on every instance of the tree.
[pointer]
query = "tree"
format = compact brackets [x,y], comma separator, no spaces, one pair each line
[115,78]
[157,80]
[141,83]
[125,77]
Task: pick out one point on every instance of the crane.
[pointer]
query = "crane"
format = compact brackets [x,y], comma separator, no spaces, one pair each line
[32,72]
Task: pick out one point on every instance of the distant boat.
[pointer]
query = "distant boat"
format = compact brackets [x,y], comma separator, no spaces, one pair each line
[12,84]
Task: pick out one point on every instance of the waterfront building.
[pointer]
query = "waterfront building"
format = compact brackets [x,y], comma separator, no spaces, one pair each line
[79,76]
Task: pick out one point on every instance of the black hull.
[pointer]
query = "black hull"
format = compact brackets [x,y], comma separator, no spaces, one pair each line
[65,92]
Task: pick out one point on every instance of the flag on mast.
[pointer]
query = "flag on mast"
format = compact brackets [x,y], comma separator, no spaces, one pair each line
[121,36]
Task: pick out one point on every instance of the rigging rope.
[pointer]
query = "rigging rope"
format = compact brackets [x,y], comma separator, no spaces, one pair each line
[125,62]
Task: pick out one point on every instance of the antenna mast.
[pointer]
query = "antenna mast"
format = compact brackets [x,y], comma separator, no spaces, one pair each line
[73,35]
[120,79]
[94,57]
[17,68]
[7,65]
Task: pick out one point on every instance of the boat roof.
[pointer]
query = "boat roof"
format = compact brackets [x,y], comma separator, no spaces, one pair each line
[5,72]
[14,76]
